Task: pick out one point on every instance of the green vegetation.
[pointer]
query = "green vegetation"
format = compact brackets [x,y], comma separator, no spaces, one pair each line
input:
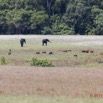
[43,63]
[30,99]
[3,61]
[84,17]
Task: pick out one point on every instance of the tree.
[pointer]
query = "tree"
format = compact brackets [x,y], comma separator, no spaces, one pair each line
[51,16]
[38,20]
[99,24]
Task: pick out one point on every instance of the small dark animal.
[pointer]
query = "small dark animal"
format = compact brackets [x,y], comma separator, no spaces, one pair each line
[50,52]
[45,41]
[91,51]
[9,53]
[37,52]
[44,52]
[22,41]
[85,51]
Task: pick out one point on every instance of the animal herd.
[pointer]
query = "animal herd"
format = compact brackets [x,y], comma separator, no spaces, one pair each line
[44,42]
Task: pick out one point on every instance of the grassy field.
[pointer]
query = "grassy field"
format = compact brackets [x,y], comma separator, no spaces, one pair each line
[66,52]
[31,99]
[75,78]
[23,84]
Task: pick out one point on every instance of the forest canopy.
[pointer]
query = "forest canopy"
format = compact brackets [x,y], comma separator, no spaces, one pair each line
[55,17]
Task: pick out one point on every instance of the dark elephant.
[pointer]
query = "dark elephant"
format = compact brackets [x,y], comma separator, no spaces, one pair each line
[22,41]
[45,41]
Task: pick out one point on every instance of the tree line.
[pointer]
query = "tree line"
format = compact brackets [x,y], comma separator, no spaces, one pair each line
[59,17]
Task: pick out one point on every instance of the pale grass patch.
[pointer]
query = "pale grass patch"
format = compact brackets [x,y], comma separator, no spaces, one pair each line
[36,99]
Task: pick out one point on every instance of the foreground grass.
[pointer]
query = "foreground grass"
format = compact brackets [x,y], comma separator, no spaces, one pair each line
[31,99]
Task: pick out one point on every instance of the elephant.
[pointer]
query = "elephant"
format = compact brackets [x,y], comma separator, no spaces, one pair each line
[22,41]
[45,41]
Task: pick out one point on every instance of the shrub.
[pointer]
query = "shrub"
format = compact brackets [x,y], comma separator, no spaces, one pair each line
[3,61]
[43,63]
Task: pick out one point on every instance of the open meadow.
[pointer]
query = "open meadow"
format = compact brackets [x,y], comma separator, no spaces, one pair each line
[76,75]
[71,51]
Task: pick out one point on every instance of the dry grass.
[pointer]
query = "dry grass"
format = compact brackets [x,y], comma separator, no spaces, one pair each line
[68,82]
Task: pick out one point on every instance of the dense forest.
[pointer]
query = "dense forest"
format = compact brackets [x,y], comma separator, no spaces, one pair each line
[55,17]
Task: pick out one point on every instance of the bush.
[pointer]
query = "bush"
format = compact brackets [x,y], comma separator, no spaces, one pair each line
[43,63]
[3,61]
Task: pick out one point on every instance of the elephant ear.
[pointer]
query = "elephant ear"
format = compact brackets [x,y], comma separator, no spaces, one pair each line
[48,40]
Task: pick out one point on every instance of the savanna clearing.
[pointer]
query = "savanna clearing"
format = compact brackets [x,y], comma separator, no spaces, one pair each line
[71,51]
[77,75]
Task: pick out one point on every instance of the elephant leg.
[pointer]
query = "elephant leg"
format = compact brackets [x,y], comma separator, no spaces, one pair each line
[21,44]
